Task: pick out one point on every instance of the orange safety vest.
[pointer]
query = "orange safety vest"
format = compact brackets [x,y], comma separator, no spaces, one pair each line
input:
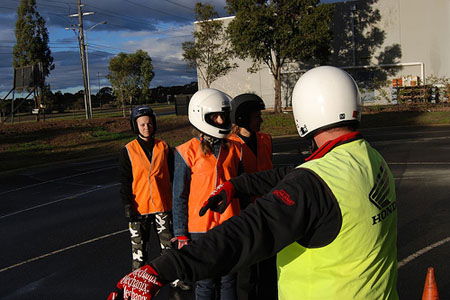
[263,159]
[151,188]
[207,172]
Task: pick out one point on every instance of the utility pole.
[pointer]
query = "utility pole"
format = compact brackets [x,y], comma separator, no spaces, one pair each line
[99,98]
[83,58]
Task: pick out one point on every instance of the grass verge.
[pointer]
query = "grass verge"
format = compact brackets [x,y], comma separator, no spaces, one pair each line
[29,144]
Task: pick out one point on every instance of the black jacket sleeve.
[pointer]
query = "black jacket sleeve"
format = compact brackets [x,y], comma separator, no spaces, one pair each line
[299,208]
[125,177]
[259,183]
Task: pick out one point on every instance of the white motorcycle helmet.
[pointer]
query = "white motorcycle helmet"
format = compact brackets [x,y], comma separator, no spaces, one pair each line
[206,102]
[325,97]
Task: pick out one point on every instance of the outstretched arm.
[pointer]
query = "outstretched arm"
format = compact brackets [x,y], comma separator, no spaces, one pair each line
[295,210]
[300,208]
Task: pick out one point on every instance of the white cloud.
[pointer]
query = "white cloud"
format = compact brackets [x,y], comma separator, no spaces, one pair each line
[164,46]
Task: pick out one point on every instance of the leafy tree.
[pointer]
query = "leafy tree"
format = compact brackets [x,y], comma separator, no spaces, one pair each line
[105,95]
[209,52]
[278,32]
[130,76]
[31,39]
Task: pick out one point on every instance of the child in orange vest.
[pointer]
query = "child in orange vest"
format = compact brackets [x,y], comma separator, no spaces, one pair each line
[146,190]
[260,280]
[201,165]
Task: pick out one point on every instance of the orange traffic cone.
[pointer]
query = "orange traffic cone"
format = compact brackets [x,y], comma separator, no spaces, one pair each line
[430,290]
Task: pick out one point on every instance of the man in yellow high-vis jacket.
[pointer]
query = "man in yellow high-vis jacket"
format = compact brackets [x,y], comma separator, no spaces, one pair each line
[332,220]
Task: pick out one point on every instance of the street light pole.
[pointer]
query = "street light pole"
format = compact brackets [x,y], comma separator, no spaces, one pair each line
[99,98]
[87,67]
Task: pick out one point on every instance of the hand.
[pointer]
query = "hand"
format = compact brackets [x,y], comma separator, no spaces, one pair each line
[219,199]
[142,283]
[181,241]
[130,213]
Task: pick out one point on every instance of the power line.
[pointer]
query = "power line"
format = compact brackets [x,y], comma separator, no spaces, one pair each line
[181,5]
[157,10]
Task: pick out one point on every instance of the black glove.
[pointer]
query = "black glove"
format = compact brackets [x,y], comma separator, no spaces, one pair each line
[131,214]
[219,200]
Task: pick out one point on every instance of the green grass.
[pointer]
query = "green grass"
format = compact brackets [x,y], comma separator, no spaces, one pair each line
[283,124]
[279,124]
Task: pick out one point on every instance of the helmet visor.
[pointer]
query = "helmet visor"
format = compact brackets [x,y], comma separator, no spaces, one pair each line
[219,119]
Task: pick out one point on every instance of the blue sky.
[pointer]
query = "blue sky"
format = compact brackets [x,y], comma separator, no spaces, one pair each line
[156,26]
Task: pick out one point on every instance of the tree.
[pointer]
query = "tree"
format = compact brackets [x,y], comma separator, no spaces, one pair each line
[105,95]
[279,32]
[32,43]
[359,42]
[130,76]
[209,53]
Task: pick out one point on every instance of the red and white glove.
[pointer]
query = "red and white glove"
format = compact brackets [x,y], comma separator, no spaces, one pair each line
[219,200]
[142,283]
[182,241]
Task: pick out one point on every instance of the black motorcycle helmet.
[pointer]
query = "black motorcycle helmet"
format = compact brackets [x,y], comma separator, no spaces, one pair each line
[241,107]
[140,111]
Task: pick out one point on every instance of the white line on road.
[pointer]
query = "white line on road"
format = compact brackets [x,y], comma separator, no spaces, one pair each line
[62,250]
[59,200]
[400,264]
[422,251]
[56,179]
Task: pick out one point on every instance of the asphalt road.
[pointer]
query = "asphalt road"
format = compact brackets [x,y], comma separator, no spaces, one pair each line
[63,235]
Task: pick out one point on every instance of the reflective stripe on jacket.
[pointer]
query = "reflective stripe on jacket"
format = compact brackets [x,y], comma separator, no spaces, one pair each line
[262,160]
[361,262]
[207,172]
[151,186]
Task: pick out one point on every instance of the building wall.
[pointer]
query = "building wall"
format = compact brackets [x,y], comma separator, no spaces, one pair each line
[420,28]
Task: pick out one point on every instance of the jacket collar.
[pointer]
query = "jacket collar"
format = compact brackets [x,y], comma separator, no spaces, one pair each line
[330,145]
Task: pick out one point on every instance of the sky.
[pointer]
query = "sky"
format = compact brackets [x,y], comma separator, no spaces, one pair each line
[156,26]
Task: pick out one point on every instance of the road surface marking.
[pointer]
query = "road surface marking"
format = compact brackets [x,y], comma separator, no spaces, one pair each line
[56,179]
[62,250]
[59,200]
[422,251]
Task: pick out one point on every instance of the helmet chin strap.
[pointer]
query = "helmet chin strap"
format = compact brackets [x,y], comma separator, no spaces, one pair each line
[145,137]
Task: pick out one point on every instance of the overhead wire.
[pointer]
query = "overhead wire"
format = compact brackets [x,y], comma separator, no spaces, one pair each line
[191,9]
[157,10]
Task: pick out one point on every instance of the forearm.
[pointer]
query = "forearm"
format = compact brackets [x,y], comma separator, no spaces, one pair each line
[181,189]
[125,178]
[263,229]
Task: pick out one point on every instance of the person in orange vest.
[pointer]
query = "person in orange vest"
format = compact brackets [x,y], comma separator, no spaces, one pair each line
[260,280]
[256,146]
[332,220]
[201,165]
[146,189]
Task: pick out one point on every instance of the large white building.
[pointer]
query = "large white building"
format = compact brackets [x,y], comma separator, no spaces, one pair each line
[400,37]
